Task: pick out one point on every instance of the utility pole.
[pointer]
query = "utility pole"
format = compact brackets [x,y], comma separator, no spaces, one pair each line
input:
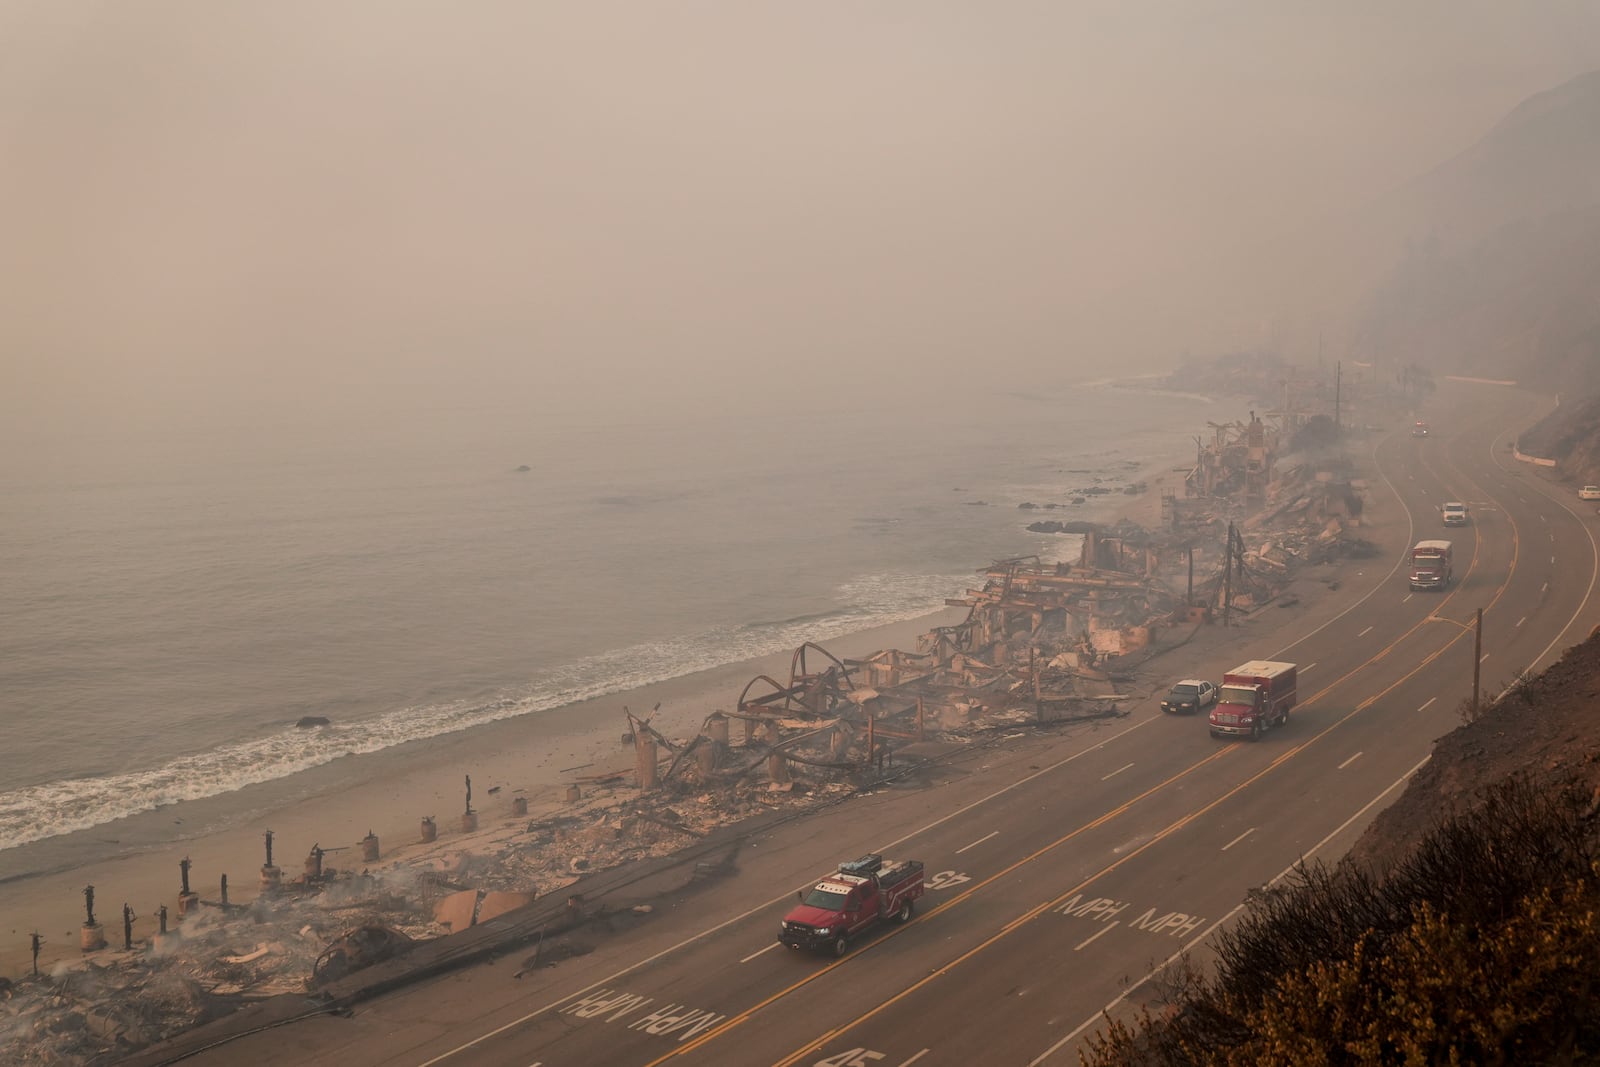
[1477,662]
[1338,371]
[1477,655]
[1227,578]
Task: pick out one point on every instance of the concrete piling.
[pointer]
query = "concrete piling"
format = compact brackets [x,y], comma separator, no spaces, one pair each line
[519,805]
[93,935]
[778,769]
[187,900]
[646,750]
[574,794]
[271,876]
[369,848]
[469,818]
[162,937]
[430,830]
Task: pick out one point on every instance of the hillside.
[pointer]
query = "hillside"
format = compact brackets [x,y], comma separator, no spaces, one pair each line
[1570,435]
[1541,161]
[1486,265]
[1496,253]
[1545,728]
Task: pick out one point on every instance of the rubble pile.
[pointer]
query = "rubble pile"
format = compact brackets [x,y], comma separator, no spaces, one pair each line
[614,826]
[1306,519]
[214,961]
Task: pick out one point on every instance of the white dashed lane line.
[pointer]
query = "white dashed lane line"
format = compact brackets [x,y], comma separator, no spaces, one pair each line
[1236,840]
[979,841]
[1102,933]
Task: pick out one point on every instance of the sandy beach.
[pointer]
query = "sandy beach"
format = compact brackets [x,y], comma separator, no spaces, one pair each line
[334,806]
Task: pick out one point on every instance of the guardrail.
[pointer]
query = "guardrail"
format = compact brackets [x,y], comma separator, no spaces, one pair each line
[1537,461]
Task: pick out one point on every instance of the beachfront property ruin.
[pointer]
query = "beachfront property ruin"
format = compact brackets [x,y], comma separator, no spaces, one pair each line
[1041,643]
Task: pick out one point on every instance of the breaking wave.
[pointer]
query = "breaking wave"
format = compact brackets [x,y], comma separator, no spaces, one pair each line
[37,812]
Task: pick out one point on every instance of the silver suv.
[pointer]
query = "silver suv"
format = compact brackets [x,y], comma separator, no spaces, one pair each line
[1454,513]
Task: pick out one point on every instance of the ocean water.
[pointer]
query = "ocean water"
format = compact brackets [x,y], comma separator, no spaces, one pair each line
[176,597]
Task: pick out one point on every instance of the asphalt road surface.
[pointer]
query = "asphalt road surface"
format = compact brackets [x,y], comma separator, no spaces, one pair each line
[1067,872]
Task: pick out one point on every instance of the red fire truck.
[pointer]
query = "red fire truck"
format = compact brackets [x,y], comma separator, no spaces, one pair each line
[1254,697]
[1431,564]
[850,900]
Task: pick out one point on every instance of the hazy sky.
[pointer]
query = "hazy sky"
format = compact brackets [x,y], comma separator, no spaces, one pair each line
[271,206]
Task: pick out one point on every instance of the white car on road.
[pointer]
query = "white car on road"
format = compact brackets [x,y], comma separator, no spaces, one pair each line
[1589,492]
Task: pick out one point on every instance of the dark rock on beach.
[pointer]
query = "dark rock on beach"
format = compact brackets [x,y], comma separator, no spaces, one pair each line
[1075,526]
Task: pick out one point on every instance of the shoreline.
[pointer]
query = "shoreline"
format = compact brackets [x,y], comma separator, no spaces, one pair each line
[534,756]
